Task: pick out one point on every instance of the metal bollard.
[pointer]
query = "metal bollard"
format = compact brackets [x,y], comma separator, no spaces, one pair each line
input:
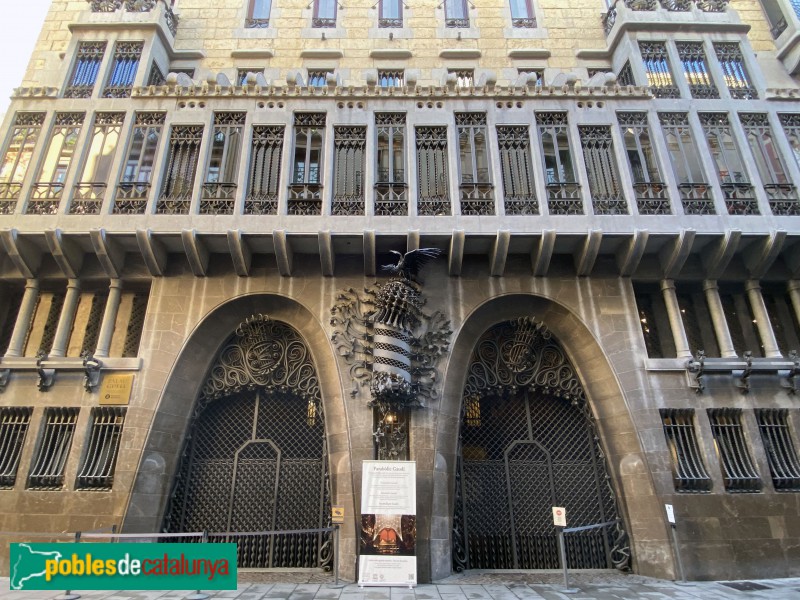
[563,550]
[69,594]
[198,595]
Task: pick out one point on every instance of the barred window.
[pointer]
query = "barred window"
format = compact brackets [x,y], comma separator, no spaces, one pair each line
[738,470]
[156,76]
[318,77]
[391,13]
[695,69]
[465,78]
[391,187]
[90,189]
[740,197]
[519,194]
[100,455]
[456,14]
[84,72]
[258,14]
[625,75]
[324,13]
[393,78]
[654,321]
[601,167]
[522,14]
[784,465]
[17,156]
[49,186]
[184,152]
[659,73]
[563,191]
[123,69]
[137,174]
[349,144]
[222,169]
[731,61]
[264,173]
[14,423]
[686,164]
[434,198]
[51,322]
[47,471]
[688,469]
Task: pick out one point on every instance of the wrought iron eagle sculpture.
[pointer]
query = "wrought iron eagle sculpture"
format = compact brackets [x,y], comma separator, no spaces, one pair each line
[410,264]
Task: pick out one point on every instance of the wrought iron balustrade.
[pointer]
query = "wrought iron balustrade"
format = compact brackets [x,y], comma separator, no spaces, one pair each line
[136,6]
[740,198]
[652,198]
[391,199]
[521,204]
[524,23]
[609,19]
[174,204]
[87,198]
[609,204]
[262,203]
[323,22]
[117,91]
[10,191]
[783,199]
[386,23]
[676,5]
[47,191]
[434,205]
[696,199]
[564,198]
[218,198]
[477,199]
[131,198]
[305,199]
[712,5]
[8,207]
[79,91]
[456,23]
[256,23]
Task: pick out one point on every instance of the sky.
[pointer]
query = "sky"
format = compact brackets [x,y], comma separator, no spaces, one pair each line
[20,29]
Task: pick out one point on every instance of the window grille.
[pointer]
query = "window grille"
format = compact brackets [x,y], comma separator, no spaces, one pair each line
[324,13]
[738,470]
[305,191]
[258,14]
[476,190]
[13,304]
[739,194]
[625,75]
[133,334]
[391,187]
[49,187]
[563,191]
[781,192]
[731,61]
[522,14]
[16,158]
[84,72]
[184,150]
[264,173]
[685,160]
[134,188]
[688,470]
[47,471]
[695,69]
[91,188]
[656,66]
[472,410]
[219,190]
[391,13]
[519,194]
[648,185]
[784,465]
[782,318]
[741,324]
[434,198]
[654,322]
[92,331]
[156,76]
[677,5]
[601,167]
[348,170]
[465,78]
[456,14]
[14,423]
[49,331]
[100,455]
[394,78]
[123,69]
[318,77]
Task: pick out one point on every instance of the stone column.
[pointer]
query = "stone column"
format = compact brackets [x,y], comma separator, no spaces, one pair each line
[66,318]
[24,316]
[711,290]
[793,288]
[762,319]
[682,349]
[109,318]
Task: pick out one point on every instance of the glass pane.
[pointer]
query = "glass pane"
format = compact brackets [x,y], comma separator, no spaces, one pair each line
[261,9]
[215,162]
[8,167]
[315,156]
[455,9]
[149,156]
[51,158]
[519,9]
[132,163]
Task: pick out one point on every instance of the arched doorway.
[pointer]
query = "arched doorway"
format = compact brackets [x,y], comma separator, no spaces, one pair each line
[528,442]
[255,457]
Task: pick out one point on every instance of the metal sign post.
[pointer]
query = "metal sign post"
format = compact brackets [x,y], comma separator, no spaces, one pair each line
[673,530]
[337,518]
[560,521]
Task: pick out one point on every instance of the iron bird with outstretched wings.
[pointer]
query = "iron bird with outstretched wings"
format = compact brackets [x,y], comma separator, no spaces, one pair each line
[410,264]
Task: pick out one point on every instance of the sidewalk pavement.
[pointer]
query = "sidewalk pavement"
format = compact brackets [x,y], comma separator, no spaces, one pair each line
[531,585]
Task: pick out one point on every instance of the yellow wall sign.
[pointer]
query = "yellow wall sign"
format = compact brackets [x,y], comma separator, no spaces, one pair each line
[116,388]
[337,514]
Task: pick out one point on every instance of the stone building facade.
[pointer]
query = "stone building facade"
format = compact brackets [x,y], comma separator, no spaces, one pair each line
[202,196]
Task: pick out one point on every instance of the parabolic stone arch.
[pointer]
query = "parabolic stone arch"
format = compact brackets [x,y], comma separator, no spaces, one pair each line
[184,387]
[638,504]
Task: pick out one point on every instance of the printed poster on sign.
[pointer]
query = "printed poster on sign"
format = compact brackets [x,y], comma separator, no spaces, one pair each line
[388,523]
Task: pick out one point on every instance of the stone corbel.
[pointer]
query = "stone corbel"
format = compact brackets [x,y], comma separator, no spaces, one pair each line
[46,376]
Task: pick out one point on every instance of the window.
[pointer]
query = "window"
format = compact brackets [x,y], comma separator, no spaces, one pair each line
[522,14]
[49,186]
[477,195]
[134,188]
[184,151]
[14,423]
[563,192]
[324,13]
[395,78]
[731,61]
[686,166]
[56,302]
[739,194]
[91,188]
[84,72]
[782,317]
[17,157]
[519,195]
[318,77]
[391,189]
[264,173]
[741,324]
[695,70]
[738,471]
[781,454]
[305,190]
[219,189]
[100,455]
[391,13]
[688,470]
[123,69]
[697,320]
[659,74]
[625,75]
[348,170]
[133,333]
[258,14]
[434,198]
[654,321]
[601,167]
[774,14]
[781,192]
[156,76]
[455,13]
[465,78]
[47,471]
[648,186]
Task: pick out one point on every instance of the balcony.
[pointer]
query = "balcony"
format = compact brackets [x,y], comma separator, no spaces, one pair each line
[104,14]
[784,21]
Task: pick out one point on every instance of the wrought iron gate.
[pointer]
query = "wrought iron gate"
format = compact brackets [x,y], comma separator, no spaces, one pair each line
[527,443]
[255,458]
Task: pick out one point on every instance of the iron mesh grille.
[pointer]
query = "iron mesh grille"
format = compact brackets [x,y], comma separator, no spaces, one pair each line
[14,423]
[47,471]
[92,331]
[97,470]
[14,304]
[135,325]
[49,332]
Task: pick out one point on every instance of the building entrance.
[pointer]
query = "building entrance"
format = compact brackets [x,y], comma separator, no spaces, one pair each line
[528,443]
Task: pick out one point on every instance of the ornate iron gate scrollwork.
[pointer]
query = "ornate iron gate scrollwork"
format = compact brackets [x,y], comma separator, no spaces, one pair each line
[255,458]
[528,442]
